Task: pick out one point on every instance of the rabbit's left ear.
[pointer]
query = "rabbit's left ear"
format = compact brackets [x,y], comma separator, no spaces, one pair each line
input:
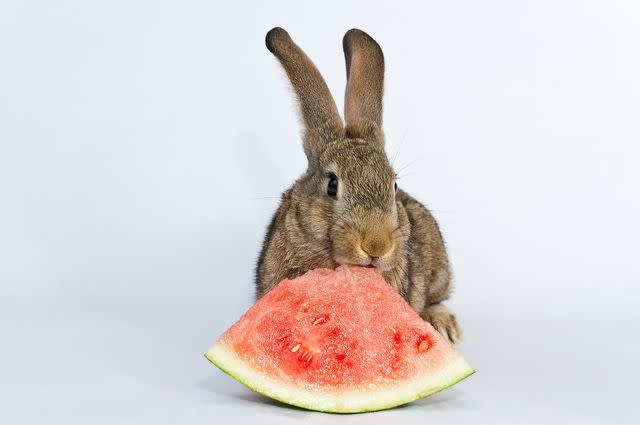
[365,85]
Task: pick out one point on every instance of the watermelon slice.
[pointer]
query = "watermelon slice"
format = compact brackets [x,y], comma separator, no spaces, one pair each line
[338,341]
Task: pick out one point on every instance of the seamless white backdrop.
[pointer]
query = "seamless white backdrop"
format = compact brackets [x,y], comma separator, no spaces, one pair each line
[143,147]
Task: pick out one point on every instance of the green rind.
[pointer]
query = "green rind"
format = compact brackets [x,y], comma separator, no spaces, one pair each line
[427,393]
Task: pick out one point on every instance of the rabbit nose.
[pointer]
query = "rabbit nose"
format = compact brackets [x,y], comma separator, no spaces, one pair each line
[376,246]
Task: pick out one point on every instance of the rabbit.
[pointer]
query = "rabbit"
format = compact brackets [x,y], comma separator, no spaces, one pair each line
[347,207]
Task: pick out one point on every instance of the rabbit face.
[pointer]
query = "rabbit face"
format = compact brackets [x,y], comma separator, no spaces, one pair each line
[358,185]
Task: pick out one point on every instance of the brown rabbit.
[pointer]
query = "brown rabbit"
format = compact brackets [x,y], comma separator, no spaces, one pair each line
[347,207]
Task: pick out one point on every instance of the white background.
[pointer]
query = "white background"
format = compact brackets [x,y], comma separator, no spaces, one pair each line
[143,146]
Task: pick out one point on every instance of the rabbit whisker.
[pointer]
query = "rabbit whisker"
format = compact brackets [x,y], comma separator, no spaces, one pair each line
[264,197]
[402,140]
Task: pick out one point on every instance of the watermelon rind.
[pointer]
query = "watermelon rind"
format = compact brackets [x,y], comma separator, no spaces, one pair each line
[387,397]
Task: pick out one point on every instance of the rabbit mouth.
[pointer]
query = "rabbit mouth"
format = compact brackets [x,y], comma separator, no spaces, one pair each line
[381,264]
[375,263]
[353,261]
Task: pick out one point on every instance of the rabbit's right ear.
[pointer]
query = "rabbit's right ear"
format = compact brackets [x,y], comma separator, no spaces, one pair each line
[319,111]
[365,85]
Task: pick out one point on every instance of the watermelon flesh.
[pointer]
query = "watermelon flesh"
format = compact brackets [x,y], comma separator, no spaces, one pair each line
[338,341]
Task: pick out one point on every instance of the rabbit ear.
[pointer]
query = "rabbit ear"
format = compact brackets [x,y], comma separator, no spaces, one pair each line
[365,81]
[319,110]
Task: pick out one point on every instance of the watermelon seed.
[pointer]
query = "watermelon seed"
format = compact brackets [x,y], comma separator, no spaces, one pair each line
[295,348]
[423,346]
[319,320]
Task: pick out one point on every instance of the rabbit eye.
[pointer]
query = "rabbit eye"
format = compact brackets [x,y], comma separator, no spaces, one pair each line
[332,187]
[395,185]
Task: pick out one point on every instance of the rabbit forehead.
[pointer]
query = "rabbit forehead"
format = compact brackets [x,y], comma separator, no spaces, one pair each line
[363,167]
[352,157]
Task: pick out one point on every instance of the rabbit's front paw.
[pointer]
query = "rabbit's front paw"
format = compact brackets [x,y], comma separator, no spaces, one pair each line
[444,321]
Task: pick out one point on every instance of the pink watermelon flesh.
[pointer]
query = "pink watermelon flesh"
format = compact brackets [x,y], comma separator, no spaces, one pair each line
[340,341]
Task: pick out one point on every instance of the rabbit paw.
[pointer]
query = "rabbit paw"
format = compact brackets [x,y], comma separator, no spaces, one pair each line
[444,321]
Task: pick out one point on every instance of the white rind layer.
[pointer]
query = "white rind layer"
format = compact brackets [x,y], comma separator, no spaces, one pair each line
[420,386]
